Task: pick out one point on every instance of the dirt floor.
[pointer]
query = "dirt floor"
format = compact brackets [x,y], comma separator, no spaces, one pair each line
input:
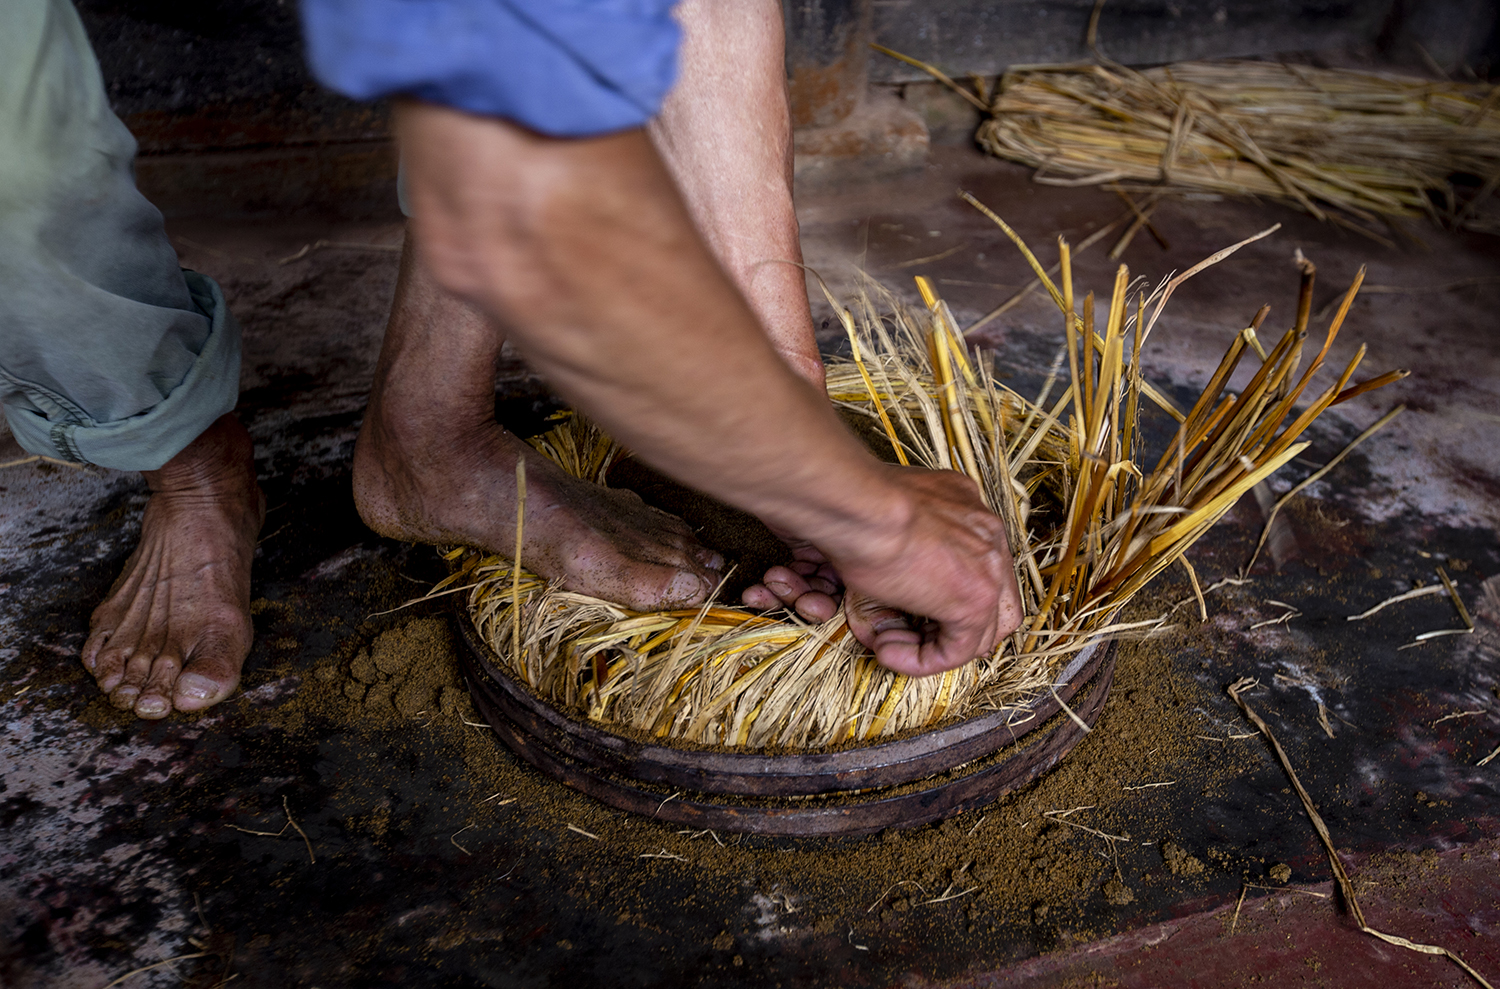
[344,821]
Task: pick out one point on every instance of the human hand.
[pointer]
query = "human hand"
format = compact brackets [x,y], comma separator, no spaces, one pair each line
[809,584]
[946,561]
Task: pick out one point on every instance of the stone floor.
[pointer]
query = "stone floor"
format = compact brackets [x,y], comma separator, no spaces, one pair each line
[431,858]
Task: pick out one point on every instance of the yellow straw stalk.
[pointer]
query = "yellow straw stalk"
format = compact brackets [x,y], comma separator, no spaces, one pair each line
[1088,524]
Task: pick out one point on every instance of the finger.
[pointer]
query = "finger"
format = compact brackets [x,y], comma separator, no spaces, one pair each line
[869,620]
[808,552]
[786,584]
[760,597]
[956,643]
[817,606]
[821,586]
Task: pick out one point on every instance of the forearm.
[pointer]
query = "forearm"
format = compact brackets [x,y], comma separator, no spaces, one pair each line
[585,253]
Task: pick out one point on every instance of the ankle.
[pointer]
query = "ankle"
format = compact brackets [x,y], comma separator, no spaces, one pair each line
[221,460]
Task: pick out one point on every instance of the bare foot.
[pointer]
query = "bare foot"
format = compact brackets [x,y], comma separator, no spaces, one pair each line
[175,628]
[461,488]
[431,465]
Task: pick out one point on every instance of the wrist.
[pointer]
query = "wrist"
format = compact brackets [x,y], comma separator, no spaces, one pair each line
[870,527]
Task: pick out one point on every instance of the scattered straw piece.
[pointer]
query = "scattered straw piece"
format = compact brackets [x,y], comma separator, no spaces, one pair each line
[904,882]
[453,839]
[1458,714]
[36,457]
[1489,758]
[298,828]
[1290,614]
[1419,592]
[1346,887]
[1426,637]
[290,823]
[1147,786]
[1458,602]
[1323,719]
[1237,904]
[1062,816]
[663,854]
[1197,590]
[929,258]
[341,245]
[947,895]
[587,834]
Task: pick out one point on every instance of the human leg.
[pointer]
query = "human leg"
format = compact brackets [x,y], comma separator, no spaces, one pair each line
[725,134]
[111,355]
[432,465]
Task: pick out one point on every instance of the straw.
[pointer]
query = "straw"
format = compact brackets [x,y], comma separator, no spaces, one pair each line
[1345,146]
[1088,523]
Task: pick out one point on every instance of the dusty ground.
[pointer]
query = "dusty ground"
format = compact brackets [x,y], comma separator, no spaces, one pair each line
[125,844]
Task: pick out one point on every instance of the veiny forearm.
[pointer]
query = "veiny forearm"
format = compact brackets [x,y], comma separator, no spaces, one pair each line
[585,253]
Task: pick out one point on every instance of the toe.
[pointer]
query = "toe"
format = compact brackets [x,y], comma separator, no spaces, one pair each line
[137,670]
[821,586]
[97,639]
[709,559]
[155,699]
[686,589]
[109,665]
[211,675]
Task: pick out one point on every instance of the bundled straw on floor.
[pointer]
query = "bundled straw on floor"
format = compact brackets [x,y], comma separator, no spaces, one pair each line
[1344,146]
[1091,518]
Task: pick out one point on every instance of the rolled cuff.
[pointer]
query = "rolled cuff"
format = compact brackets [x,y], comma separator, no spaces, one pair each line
[148,440]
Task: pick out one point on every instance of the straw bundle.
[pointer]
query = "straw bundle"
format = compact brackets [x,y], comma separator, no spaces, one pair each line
[1089,526]
[1344,146]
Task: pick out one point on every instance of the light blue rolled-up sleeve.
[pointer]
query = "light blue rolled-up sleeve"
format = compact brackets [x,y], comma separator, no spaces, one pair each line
[565,68]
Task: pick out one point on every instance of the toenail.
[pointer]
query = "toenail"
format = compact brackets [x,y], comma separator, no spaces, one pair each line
[195,687]
[688,587]
[151,705]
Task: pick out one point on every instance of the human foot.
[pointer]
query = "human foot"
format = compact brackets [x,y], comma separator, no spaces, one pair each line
[460,487]
[431,465]
[175,629]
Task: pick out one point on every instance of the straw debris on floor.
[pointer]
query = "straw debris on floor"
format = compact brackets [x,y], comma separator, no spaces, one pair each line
[1349,147]
[1091,518]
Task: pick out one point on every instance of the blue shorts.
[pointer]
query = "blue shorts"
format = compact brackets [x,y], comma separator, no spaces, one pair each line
[564,68]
